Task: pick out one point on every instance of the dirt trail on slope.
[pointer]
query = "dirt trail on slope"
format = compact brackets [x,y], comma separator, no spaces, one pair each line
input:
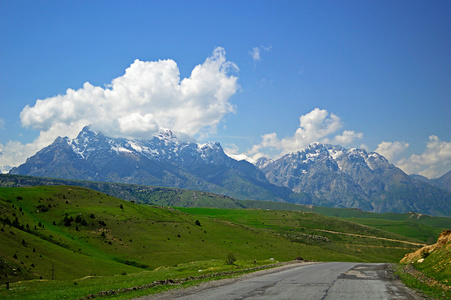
[367,236]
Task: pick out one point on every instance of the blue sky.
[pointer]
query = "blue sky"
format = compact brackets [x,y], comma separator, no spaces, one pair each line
[262,77]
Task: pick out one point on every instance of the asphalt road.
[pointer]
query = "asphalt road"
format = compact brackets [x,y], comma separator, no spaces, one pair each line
[331,280]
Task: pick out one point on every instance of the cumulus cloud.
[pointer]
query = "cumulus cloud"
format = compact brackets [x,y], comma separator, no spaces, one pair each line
[391,150]
[316,126]
[433,162]
[148,97]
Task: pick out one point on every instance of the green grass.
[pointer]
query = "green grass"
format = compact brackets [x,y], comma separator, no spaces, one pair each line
[72,234]
[338,239]
[437,265]
[127,239]
[92,285]
[432,276]
[412,225]
[422,287]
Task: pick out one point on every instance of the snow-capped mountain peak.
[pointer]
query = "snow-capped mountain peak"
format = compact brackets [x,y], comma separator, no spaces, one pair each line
[166,135]
[163,147]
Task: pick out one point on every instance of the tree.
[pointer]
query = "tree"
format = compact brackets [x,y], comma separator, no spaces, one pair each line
[230,259]
[67,221]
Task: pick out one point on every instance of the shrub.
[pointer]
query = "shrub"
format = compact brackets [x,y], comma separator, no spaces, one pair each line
[67,221]
[424,253]
[230,259]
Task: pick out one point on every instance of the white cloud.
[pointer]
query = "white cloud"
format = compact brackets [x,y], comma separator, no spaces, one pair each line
[316,126]
[2,123]
[391,150]
[148,97]
[256,52]
[347,137]
[232,151]
[433,162]
[15,153]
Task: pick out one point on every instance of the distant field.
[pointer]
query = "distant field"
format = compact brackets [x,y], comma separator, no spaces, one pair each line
[355,241]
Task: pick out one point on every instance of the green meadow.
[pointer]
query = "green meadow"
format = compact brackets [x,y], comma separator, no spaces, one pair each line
[65,242]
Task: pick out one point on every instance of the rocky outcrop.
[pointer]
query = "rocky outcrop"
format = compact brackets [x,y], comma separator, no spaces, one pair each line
[419,255]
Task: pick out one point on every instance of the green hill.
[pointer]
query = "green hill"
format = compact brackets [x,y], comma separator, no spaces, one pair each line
[80,232]
[429,268]
[417,226]
[67,233]
[71,229]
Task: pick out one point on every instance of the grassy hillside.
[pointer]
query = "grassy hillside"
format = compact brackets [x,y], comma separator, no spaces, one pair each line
[413,225]
[79,232]
[429,268]
[69,233]
[71,229]
[345,240]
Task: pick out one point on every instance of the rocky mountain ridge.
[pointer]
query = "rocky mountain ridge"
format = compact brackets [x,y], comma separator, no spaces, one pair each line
[353,178]
[442,182]
[160,161]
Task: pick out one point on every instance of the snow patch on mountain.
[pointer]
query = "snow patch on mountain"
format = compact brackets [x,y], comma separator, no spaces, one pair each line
[163,147]
[334,156]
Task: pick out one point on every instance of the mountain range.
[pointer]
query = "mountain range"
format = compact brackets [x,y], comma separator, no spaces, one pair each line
[320,174]
[354,178]
[161,161]
[443,182]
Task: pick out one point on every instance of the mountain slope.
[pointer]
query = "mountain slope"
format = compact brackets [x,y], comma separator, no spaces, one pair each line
[160,161]
[355,178]
[443,182]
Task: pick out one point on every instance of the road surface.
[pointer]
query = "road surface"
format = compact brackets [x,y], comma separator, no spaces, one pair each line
[325,281]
